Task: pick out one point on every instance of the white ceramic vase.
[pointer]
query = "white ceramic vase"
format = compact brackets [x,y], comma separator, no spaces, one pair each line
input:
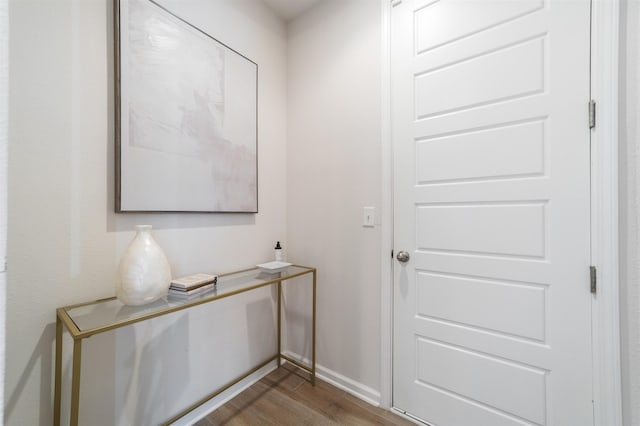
[144,274]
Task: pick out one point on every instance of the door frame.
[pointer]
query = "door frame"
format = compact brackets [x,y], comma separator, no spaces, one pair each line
[607,389]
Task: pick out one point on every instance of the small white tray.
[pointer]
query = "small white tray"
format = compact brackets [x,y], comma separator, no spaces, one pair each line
[274,267]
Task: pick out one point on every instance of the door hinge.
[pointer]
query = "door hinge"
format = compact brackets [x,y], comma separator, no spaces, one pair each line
[392,253]
[593,279]
[592,114]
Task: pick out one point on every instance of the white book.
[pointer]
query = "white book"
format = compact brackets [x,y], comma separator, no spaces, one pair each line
[194,292]
[195,280]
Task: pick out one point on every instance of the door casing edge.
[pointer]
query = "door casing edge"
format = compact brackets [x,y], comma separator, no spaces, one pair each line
[386,263]
[607,388]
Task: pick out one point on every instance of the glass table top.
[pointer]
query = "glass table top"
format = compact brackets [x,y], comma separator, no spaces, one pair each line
[111,313]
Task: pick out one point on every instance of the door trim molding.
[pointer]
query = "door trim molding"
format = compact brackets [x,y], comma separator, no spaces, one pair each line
[607,390]
[386,262]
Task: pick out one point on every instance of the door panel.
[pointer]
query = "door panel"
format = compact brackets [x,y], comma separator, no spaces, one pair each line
[472,155]
[515,309]
[491,145]
[433,27]
[510,229]
[520,390]
[512,72]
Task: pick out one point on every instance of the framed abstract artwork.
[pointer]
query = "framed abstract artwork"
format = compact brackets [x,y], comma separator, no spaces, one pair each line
[186,116]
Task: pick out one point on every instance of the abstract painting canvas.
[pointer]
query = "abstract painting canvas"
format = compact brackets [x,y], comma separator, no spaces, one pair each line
[186,116]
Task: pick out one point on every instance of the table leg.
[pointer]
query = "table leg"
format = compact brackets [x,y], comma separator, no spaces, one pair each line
[313,334]
[75,382]
[58,382]
[279,322]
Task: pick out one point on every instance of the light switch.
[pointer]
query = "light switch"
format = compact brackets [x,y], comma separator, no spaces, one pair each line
[369,217]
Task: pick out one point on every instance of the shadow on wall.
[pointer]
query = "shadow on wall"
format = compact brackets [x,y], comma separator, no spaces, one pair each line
[127,221]
[158,374]
[96,367]
[297,317]
[43,355]
[260,337]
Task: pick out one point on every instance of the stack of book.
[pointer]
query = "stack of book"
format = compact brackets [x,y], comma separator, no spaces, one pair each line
[192,285]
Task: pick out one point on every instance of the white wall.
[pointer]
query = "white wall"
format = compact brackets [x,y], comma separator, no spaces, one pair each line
[334,147]
[630,210]
[65,241]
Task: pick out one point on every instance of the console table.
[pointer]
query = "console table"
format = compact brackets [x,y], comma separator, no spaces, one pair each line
[87,319]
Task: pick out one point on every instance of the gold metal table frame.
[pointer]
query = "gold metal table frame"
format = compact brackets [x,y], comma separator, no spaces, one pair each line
[87,319]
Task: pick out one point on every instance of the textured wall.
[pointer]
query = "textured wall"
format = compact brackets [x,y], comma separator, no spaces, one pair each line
[630,210]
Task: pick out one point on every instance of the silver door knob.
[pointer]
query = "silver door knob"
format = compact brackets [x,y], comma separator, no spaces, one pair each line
[403,256]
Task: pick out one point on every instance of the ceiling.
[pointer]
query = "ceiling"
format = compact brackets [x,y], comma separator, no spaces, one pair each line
[289,9]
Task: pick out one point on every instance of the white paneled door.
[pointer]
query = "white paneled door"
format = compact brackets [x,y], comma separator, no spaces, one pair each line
[492,311]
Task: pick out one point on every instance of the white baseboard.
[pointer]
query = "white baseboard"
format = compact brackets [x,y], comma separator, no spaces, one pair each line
[215,403]
[356,389]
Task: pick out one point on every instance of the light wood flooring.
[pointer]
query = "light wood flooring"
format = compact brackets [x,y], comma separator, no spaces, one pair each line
[286,397]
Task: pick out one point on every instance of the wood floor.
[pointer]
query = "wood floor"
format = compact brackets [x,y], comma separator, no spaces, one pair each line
[286,397]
